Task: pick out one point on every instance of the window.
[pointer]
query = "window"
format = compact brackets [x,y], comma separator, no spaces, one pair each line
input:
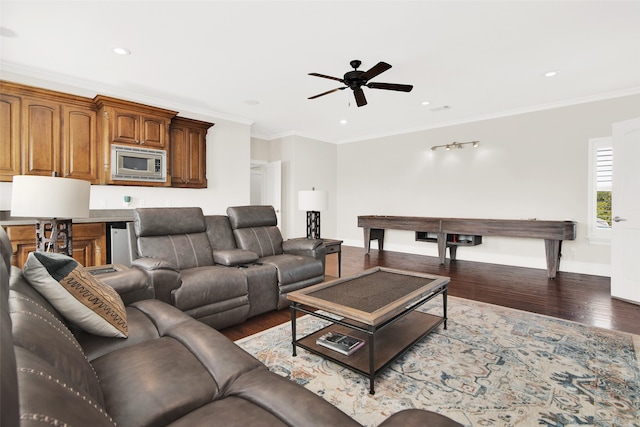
[600,174]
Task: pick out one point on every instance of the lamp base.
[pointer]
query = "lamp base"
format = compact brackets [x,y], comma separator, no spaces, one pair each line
[54,235]
[313,225]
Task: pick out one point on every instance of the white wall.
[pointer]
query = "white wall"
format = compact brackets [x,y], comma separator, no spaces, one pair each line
[306,163]
[531,165]
[228,164]
[314,166]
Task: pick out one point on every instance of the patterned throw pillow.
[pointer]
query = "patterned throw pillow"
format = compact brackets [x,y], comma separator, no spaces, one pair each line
[81,298]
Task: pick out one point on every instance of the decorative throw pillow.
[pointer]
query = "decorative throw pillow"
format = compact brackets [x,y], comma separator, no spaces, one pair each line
[81,298]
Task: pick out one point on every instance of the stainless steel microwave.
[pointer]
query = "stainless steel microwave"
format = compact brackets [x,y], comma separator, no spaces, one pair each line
[138,164]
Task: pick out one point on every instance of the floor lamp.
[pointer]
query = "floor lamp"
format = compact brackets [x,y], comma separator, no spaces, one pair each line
[313,202]
[53,202]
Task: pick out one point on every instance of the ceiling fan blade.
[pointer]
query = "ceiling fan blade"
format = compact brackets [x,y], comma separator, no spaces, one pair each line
[327,92]
[326,77]
[379,68]
[360,98]
[390,86]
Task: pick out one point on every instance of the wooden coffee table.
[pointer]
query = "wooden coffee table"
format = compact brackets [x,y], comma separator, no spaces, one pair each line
[378,306]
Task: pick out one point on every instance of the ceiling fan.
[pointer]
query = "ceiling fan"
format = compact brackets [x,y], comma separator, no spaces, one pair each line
[356,79]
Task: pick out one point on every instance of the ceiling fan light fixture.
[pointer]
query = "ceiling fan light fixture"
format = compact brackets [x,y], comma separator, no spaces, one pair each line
[357,79]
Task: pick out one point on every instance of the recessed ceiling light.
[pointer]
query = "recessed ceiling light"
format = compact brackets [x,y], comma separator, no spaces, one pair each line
[425,103]
[551,73]
[343,122]
[121,51]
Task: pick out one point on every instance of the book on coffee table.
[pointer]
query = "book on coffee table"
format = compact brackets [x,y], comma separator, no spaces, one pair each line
[345,344]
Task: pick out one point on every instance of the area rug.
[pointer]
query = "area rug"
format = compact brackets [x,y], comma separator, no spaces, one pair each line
[493,366]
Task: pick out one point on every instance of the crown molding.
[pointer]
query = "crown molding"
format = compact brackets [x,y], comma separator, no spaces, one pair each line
[88,88]
[514,112]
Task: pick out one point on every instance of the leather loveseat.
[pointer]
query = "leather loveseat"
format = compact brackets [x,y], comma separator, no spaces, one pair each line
[221,269]
[171,370]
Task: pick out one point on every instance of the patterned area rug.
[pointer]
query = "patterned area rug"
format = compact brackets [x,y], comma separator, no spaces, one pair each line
[493,366]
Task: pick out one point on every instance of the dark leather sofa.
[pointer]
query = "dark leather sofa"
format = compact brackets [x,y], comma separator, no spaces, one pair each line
[221,269]
[171,370]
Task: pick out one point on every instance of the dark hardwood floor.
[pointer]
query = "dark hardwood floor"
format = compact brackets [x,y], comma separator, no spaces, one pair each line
[578,297]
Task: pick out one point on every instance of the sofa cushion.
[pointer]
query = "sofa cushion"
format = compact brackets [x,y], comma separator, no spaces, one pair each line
[164,221]
[81,298]
[153,383]
[252,216]
[265,241]
[51,347]
[182,250]
[295,268]
[159,381]
[206,285]
[224,412]
[48,398]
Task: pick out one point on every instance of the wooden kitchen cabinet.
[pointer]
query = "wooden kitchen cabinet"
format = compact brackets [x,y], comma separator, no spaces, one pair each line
[130,123]
[89,243]
[44,132]
[188,152]
[56,134]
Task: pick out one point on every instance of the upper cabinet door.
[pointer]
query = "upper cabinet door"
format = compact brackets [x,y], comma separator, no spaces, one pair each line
[80,149]
[125,127]
[188,153]
[41,134]
[154,131]
[9,137]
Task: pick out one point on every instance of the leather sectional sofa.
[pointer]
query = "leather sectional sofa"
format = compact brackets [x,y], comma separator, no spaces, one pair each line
[220,269]
[171,370]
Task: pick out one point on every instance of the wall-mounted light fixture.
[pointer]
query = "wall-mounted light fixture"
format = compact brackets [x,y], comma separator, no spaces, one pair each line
[474,144]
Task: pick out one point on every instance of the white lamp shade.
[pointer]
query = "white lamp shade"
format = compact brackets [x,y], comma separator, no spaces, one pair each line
[312,200]
[49,197]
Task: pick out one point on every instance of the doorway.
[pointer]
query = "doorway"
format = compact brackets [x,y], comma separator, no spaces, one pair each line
[266,186]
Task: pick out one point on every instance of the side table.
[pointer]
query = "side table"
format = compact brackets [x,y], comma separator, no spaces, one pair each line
[334,247]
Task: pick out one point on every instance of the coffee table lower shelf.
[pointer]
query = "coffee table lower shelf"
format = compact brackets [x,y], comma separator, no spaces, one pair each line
[389,343]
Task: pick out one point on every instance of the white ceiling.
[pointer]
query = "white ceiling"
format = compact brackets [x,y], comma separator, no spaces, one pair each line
[481,58]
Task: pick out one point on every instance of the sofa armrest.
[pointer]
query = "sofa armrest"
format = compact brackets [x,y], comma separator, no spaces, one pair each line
[131,284]
[163,276]
[233,257]
[301,244]
[305,247]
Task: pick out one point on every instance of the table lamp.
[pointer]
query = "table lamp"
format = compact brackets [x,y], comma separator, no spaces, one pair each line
[53,202]
[313,202]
